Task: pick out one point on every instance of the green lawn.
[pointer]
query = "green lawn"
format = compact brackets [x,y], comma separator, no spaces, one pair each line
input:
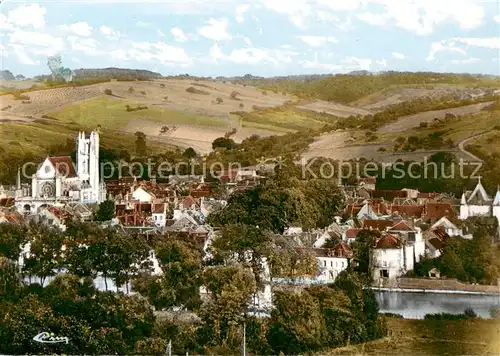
[111,113]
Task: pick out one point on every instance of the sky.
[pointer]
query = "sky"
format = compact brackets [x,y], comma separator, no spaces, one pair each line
[258,37]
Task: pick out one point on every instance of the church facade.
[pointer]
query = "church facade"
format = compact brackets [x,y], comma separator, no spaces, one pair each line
[59,181]
[479,203]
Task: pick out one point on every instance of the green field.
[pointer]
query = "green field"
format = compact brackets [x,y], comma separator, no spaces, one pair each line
[432,337]
[111,113]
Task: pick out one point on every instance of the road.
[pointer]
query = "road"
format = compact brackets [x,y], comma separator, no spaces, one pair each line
[462,144]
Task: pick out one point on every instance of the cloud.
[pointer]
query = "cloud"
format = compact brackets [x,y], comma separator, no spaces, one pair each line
[318,41]
[373,19]
[382,62]
[22,56]
[36,42]
[398,55]
[109,33]
[142,24]
[423,17]
[32,15]
[160,33]
[297,10]
[251,55]
[491,42]
[88,46]
[240,10]
[151,52]
[345,65]
[79,28]
[444,46]
[215,30]
[466,61]
[179,35]
[497,18]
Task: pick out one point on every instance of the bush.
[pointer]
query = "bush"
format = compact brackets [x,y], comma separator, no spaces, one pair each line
[234,95]
[162,85]
[242,106]
[193,90]
[381,149]
[131,89]
[108,91]
[165,98]
[18,96]
[219,100]
[144,93]
[423,125]
[264,92]
[26,102]
[137,108]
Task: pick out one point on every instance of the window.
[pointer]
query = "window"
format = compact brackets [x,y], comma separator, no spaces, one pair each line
[331,263]
[342,264]
[47,169]
[51,221]
[384,263]
[384,273]
[324,263]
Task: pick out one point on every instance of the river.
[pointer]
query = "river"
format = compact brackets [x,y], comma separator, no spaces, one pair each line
[414,305]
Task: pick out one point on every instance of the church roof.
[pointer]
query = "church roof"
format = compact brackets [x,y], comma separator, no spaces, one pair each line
[63,165]
[496,201]
[479,194]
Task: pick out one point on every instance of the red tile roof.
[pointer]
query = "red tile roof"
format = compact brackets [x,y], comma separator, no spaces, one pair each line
[64,166]
[388,241]
[401,226]
[415,211]
[436,211]
[341,250]
[352,233]
[158,209]
[381,225]
[389,194]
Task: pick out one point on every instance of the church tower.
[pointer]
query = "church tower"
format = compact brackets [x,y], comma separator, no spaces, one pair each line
[83,157]
[88,167]
[94,166]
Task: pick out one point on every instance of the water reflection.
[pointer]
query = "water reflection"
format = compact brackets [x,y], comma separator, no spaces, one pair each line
[416,305]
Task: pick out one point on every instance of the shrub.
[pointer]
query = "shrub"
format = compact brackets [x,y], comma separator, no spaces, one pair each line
[165,98]
[26,102]
[283,93]
[131,89]
[234,95]
[6,107]
[108,91]
[264,92]
[137,108]
[219,100]
[242,106]
[381,149]
[423,125]
[18,96]
[162,85]
[193,90]
[144,93]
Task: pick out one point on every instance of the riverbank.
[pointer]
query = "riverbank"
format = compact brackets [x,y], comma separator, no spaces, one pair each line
[432,337]
[425,285]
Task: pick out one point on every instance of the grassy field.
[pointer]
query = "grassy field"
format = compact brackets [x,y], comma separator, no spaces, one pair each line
[432,337]
[37,137]
[111,113]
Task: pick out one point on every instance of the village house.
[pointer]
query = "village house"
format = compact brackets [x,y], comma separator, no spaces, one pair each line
[332,261]
[390,258]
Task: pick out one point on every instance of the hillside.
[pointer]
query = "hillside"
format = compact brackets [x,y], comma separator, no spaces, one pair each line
[352,116]
[115,73]
[432,337]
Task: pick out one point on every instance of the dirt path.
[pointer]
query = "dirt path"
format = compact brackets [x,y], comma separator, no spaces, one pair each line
[461,145]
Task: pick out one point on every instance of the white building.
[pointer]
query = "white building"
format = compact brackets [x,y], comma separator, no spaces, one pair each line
[56,180]
[390,258]
[479,203]
[332,261]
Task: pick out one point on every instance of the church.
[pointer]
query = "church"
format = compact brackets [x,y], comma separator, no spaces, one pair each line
[58,181]
[479,203]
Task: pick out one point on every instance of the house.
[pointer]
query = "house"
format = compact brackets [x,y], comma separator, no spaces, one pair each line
[53,216]
[390,258]
[332,261]
[159,214]
[450,228]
